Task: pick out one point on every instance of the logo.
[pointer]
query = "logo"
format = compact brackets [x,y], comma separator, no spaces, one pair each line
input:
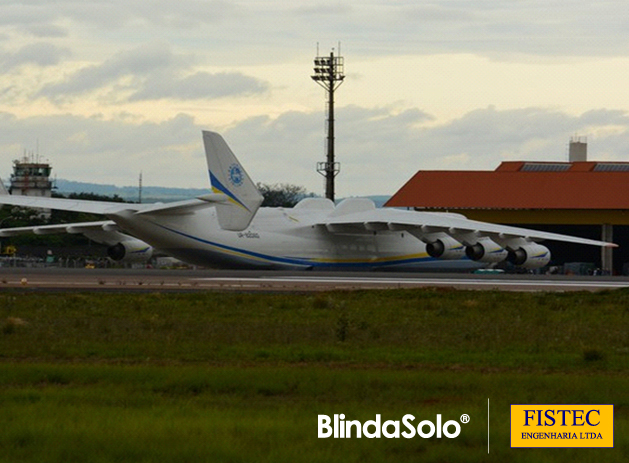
[562,425]
[339,428]
[236,176]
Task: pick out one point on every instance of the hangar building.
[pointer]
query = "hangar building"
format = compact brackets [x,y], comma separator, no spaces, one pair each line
[581,198]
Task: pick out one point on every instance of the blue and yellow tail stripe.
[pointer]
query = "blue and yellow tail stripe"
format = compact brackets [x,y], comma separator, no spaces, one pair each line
[218,187]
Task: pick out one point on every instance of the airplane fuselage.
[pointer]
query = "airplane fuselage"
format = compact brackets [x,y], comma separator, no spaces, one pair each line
[281,238]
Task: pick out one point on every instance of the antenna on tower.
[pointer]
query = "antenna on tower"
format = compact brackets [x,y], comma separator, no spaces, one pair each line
[329,74]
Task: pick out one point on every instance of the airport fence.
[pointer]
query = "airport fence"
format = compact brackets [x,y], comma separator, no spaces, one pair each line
[38,262]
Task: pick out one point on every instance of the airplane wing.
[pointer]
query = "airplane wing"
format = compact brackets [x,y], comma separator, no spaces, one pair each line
[76,205]
[105,207]
[104,232]
[425,224]
[451,236]
[120,246]
[81,227]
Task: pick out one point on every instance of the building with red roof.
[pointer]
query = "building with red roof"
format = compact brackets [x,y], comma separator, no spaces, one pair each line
[574,197]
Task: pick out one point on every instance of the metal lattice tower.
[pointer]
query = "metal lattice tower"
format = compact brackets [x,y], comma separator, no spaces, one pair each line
[328,73]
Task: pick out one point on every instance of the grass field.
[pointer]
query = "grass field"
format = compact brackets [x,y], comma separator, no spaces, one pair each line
[242,377]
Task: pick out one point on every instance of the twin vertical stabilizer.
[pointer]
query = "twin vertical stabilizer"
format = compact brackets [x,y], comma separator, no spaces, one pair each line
[228,177]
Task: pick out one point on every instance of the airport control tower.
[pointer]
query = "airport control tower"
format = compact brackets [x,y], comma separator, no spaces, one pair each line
[31,177]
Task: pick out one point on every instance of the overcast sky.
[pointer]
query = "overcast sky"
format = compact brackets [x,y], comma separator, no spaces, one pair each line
[107,89]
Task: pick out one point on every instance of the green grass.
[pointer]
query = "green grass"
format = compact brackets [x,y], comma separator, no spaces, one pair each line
[433,327]
[242,377]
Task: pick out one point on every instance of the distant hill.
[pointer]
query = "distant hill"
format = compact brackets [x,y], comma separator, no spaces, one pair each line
[151,194]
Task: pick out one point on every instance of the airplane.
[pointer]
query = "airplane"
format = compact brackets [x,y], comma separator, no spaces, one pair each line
[228,229]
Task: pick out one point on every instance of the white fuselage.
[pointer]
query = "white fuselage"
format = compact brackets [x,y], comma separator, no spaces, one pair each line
[280,238]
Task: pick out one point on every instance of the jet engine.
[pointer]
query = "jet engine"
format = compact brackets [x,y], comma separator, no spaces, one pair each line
[130,251]
[530,256]
[486,250]
[445,248]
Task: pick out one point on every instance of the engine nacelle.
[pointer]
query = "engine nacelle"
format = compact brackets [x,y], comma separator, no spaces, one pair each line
[530,256]
[486,250]
[130,251]
[445,248]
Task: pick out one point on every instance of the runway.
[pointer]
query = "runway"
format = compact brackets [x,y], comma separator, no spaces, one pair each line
[147,280]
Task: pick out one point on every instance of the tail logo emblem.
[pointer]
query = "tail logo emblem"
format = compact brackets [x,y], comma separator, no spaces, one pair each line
[236,176]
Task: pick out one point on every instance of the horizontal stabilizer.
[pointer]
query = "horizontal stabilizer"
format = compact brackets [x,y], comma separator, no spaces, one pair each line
[185,206]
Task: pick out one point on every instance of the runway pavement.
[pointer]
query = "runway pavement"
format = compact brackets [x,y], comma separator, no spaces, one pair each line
[122,280]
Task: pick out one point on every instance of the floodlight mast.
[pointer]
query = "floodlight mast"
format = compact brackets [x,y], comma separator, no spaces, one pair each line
[328,73]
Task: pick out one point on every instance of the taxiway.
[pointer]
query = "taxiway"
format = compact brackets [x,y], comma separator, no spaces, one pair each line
[56,279]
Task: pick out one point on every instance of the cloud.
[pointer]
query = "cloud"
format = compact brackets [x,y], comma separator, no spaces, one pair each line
[499,29]
[436,12]
[323,9]
[19,14]
[109,151]
[379,148]
[41,54]
[47,30]
[116,13]
[202,50]
[153,72]
[187,13]
[508,30]
[201,85]
[139,61]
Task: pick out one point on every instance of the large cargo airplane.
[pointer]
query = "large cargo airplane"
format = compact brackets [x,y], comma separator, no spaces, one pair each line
[227,228]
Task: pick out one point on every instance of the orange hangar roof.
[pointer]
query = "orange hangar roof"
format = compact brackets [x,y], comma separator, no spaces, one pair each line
[520,185]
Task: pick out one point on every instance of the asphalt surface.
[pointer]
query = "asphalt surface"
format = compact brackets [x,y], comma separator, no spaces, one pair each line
[147,280]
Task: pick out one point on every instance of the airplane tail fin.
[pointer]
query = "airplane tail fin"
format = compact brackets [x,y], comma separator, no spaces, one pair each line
[228,177]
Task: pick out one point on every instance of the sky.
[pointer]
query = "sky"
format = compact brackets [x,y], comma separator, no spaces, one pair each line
[105,90]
